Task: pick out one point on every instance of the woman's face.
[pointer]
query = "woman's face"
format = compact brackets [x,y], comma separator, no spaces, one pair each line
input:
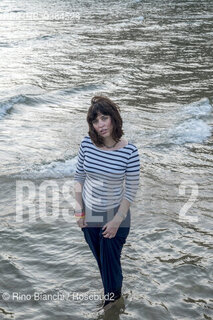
[103,125]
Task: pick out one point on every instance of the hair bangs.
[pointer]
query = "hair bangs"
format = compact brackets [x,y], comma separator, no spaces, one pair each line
[97,108]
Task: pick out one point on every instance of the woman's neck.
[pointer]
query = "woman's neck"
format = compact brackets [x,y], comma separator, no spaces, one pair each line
[109,141]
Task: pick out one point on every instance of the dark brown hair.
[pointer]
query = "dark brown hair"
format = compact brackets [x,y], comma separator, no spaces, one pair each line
[102,104]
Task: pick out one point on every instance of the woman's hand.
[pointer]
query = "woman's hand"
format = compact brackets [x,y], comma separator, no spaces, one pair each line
[81,222]
[111,229]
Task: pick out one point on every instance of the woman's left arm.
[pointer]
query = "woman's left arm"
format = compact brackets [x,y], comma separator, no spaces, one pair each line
[131,186]
[122,211]
[113,225]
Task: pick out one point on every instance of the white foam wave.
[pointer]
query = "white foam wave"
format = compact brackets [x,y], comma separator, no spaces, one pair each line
[191,130]
[6,105]
[138,19]
[193,127]
[199,109]
[55,170]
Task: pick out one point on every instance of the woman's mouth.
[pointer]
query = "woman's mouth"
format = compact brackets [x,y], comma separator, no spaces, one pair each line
[103,131]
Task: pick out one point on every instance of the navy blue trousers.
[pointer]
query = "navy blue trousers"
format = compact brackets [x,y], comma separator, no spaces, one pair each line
[107,251]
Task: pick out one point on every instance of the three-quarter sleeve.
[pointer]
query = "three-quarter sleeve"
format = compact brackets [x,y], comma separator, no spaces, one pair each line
[80,174]
[132,176]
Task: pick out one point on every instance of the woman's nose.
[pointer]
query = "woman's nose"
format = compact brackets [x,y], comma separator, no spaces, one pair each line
[100,124]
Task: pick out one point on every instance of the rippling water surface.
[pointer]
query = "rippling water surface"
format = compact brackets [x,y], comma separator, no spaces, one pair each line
[154,58]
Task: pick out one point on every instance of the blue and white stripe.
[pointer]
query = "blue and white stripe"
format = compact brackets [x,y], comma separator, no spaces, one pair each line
[107,176]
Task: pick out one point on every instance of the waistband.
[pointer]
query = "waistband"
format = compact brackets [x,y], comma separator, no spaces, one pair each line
[100,218]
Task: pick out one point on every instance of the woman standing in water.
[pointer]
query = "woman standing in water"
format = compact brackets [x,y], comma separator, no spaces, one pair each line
[106,181]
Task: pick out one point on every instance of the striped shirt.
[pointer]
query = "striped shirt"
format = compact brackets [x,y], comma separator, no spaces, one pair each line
[107,176]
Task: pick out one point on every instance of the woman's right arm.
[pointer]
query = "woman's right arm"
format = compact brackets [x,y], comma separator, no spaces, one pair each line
[78,196]
[79,205]
[79,179]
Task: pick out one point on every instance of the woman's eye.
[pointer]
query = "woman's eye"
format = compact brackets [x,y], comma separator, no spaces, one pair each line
[104,118]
